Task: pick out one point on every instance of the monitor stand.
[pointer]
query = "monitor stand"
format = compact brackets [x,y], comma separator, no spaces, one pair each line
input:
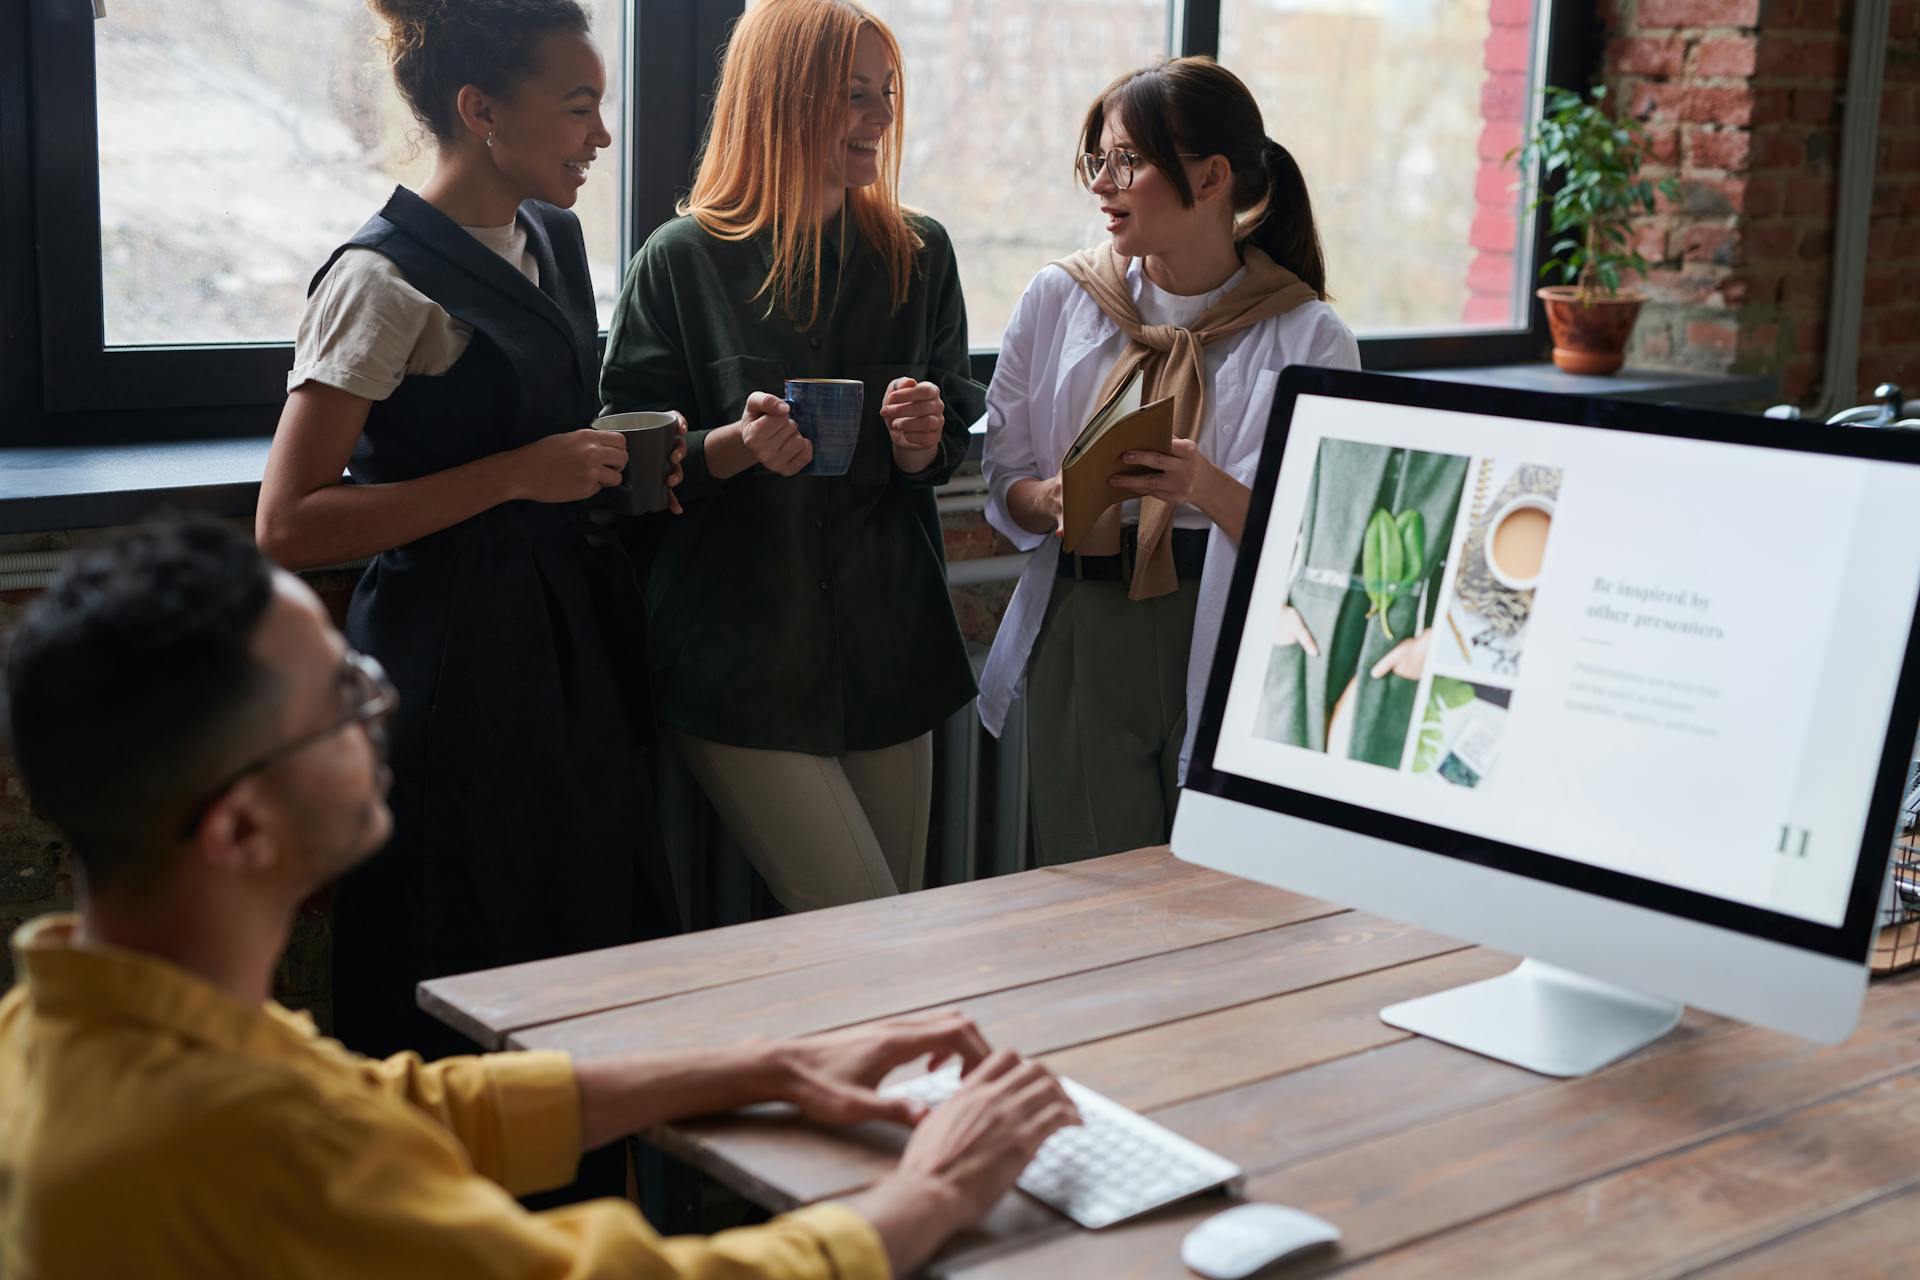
[1549,1020]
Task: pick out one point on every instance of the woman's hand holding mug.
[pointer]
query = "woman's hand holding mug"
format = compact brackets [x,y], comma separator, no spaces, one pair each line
[767,431]
[568,466]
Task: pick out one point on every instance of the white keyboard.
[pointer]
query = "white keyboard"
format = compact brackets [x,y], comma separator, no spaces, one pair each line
[1115,1165]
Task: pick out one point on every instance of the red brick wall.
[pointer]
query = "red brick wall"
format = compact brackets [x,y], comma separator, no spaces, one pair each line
[1504,107]
[1745,115]
[1742,100]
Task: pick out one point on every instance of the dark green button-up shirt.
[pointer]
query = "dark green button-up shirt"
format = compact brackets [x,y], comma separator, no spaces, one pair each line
[801,613]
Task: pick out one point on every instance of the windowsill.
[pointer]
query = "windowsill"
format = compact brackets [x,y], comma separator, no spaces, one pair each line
[91,487]
[1654,386]
[99,486]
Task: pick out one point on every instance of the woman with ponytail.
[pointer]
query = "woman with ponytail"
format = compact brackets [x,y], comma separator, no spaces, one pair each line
[803,642]
[446,362]
[1211,283]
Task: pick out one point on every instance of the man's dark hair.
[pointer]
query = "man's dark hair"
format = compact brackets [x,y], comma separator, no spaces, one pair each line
[131,690]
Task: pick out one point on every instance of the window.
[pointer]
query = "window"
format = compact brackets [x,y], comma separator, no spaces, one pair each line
[185,165]
[1399,113]
[240,141]
[995,93]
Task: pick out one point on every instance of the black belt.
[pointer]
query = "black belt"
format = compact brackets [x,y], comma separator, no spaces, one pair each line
[1189,557]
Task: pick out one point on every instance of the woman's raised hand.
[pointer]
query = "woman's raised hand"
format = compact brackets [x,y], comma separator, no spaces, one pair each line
[915,415]
[568,466]
[767,430]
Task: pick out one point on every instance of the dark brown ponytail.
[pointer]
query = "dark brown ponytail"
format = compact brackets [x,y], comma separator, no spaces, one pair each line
[1284,227]
[1197,106]
[437,47]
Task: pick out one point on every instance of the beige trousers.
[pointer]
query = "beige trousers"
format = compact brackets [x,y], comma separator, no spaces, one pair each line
[823,830]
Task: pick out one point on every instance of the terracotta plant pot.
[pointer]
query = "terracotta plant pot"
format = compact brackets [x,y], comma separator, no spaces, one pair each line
[1589,337]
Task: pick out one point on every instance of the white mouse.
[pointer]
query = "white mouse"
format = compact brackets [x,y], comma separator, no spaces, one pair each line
[1247,1237]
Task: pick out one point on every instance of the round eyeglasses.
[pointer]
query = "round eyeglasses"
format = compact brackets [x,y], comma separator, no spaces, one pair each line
[368,698]
[1121,163]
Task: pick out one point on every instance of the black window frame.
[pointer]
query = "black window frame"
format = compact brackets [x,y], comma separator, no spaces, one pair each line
[61,385]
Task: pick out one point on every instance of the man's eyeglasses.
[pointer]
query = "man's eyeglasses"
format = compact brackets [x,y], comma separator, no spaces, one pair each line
[368,697]
[1119,162]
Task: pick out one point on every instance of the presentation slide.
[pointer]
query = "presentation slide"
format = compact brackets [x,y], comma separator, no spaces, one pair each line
[1669,658]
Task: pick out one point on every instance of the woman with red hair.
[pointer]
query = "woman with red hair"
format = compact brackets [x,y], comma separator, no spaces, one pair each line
[802,641]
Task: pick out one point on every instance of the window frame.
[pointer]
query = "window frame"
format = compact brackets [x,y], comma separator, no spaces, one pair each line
[1570,54]
[61,385]
[64,385]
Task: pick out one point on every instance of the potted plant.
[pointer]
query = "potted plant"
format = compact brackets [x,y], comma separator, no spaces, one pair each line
[1596,159]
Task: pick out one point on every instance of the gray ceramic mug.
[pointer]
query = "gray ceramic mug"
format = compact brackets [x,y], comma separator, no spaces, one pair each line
[651,436]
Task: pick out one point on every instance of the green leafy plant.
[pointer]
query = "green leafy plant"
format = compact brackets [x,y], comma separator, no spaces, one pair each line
[1447,695]
[1597,160]
[1393,559]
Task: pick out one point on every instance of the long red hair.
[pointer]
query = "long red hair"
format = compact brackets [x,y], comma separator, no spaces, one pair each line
[784,83]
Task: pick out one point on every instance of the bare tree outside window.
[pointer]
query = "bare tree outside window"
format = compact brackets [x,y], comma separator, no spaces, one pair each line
[241,141]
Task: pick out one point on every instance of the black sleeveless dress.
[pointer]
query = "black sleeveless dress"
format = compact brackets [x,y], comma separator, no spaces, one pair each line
[523,820]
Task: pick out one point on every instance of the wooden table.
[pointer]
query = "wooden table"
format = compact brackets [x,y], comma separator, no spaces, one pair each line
[1246,1018]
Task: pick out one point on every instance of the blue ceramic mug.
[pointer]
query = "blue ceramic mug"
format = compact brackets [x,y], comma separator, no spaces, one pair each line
[827,412]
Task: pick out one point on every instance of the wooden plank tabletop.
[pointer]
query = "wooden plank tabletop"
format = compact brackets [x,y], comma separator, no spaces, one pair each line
[1247,1019]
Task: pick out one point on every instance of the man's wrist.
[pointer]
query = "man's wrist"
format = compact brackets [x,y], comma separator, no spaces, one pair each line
[762,1072]
[934,1198]
[913,1213]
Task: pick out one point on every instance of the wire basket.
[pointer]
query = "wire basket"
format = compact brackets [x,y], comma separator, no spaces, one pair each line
[1897,945]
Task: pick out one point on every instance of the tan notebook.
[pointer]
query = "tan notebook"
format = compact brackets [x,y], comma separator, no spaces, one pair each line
[1122,423]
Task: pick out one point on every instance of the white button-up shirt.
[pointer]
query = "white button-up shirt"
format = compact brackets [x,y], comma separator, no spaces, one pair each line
[1057,352]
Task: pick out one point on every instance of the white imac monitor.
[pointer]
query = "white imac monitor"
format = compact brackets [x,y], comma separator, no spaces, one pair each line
[1625,690]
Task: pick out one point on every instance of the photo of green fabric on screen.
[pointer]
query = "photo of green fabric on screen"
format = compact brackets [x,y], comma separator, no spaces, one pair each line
[1367,571]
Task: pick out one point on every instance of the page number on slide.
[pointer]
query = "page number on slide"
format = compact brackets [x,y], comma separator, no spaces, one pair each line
[1793,841]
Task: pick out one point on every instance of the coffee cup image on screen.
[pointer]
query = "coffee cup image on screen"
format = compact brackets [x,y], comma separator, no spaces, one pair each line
[1509,511]
[1368,565]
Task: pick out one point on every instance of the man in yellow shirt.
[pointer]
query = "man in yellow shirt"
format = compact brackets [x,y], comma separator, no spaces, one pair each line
[198,729]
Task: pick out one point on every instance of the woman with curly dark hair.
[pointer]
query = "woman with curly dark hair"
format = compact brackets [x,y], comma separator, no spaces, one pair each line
[446,362]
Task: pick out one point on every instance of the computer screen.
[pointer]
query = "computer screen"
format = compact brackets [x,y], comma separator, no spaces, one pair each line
[1650,654]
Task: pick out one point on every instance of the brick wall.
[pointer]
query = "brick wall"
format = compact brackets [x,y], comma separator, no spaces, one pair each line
[1504,108]
[1741,100]
[1747,119]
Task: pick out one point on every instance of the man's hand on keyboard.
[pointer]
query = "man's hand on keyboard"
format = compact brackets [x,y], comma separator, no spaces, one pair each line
[831,1077]
[980,1139]
[964,1156]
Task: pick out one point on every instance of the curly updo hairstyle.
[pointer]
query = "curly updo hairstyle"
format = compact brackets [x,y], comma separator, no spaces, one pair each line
[437,46]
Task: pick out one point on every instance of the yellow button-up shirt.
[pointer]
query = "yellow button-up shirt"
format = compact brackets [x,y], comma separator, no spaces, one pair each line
[152,1126]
